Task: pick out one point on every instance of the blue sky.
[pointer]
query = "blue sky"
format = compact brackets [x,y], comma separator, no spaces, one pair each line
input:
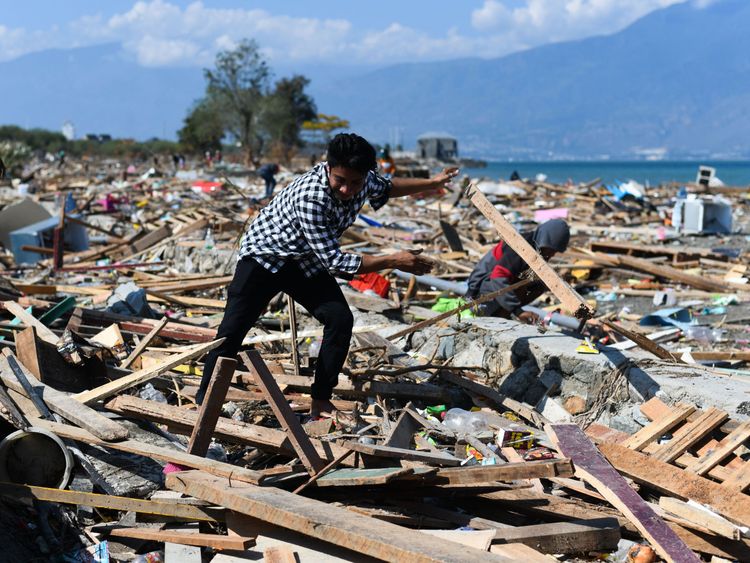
[298,32]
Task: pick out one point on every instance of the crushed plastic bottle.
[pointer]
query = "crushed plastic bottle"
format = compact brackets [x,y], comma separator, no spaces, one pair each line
[314,348]
[150,393]
[465,422]
[704,334]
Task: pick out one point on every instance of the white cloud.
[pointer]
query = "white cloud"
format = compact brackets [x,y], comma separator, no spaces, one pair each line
[158,33]
[535,22]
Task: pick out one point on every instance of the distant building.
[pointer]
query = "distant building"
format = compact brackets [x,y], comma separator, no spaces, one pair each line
[440,146]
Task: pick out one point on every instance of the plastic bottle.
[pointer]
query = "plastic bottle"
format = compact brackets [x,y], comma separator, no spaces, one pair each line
[704,334]
[209,240]
[150,393]
[465,422]
[314,348]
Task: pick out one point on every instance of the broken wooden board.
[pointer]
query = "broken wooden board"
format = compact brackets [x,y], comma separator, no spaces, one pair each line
[676,482]
[505,472]
[353,477]
[232,431]
[401,453]
[145,341]
[170,536]
[569,298]
[210,410]
[275,398]
[336,525]
[64,405]
[144,375]
[652,432]
[48,366]
[642,342]
[155,452]
[578,536]
[29,320]
[703,519]
[592,467]
[111,502]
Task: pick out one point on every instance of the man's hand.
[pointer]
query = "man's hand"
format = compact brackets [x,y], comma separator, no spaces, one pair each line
[528,317]
[441,180]
[410,261]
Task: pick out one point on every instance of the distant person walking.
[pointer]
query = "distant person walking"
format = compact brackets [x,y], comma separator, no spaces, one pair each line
[268,173]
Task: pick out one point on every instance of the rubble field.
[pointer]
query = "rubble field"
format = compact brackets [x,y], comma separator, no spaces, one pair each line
[615,428]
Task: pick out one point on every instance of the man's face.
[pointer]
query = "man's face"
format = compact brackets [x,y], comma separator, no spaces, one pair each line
[345,182]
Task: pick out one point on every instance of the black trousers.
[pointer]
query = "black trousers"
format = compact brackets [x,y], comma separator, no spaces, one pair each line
[248,295]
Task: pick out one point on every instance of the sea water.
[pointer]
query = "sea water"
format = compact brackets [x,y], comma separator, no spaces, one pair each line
[732,173]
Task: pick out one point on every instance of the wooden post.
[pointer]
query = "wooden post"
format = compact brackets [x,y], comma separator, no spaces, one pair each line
[297,436]
[210,409]
[293,327]
[559,287]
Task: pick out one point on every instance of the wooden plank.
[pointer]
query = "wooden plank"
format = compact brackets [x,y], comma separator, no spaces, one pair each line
[505,472]
[353,477]
[29,320]
[232,431]
[144,375]
[200,439]
[110,502]
[279,554]
[678,483]
[578,536]
[519,552]
[658,428]
[690,434]
[401,453]
[591,466]
[170,536]
[642,342]
[64,405]
[478,539]
[739,480]
[698,282]
[723,450]
[297,435]
[569,298]
[145,341]
[329,523]
[160,453]
[705,519]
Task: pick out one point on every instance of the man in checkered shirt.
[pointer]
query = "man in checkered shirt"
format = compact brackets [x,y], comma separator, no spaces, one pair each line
[293,246]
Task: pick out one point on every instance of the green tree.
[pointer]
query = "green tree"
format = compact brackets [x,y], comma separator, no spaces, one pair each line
[203,129]
[324,125]
[285,111]
[238,85]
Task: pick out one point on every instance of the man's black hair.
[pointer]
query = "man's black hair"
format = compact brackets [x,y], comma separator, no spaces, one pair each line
[351,151]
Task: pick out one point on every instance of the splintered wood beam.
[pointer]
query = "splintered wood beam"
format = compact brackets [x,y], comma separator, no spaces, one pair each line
[110,502]
[642,342]
[138,350]
[560,288]
[365,535]
[591,466]
[284,413]
[160,453]
[144,375]
[210,409]
[29,320]
[170,536]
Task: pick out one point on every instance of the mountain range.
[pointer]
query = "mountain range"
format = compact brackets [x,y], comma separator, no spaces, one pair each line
[674,83]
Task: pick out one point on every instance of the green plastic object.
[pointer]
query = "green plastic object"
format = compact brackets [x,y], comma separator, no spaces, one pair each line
[67,304]
[445,304]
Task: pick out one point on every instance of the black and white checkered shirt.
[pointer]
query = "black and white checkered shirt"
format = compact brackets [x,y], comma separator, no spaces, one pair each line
[305,221]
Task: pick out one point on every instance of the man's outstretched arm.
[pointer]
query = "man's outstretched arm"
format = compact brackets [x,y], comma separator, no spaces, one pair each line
[408,186]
